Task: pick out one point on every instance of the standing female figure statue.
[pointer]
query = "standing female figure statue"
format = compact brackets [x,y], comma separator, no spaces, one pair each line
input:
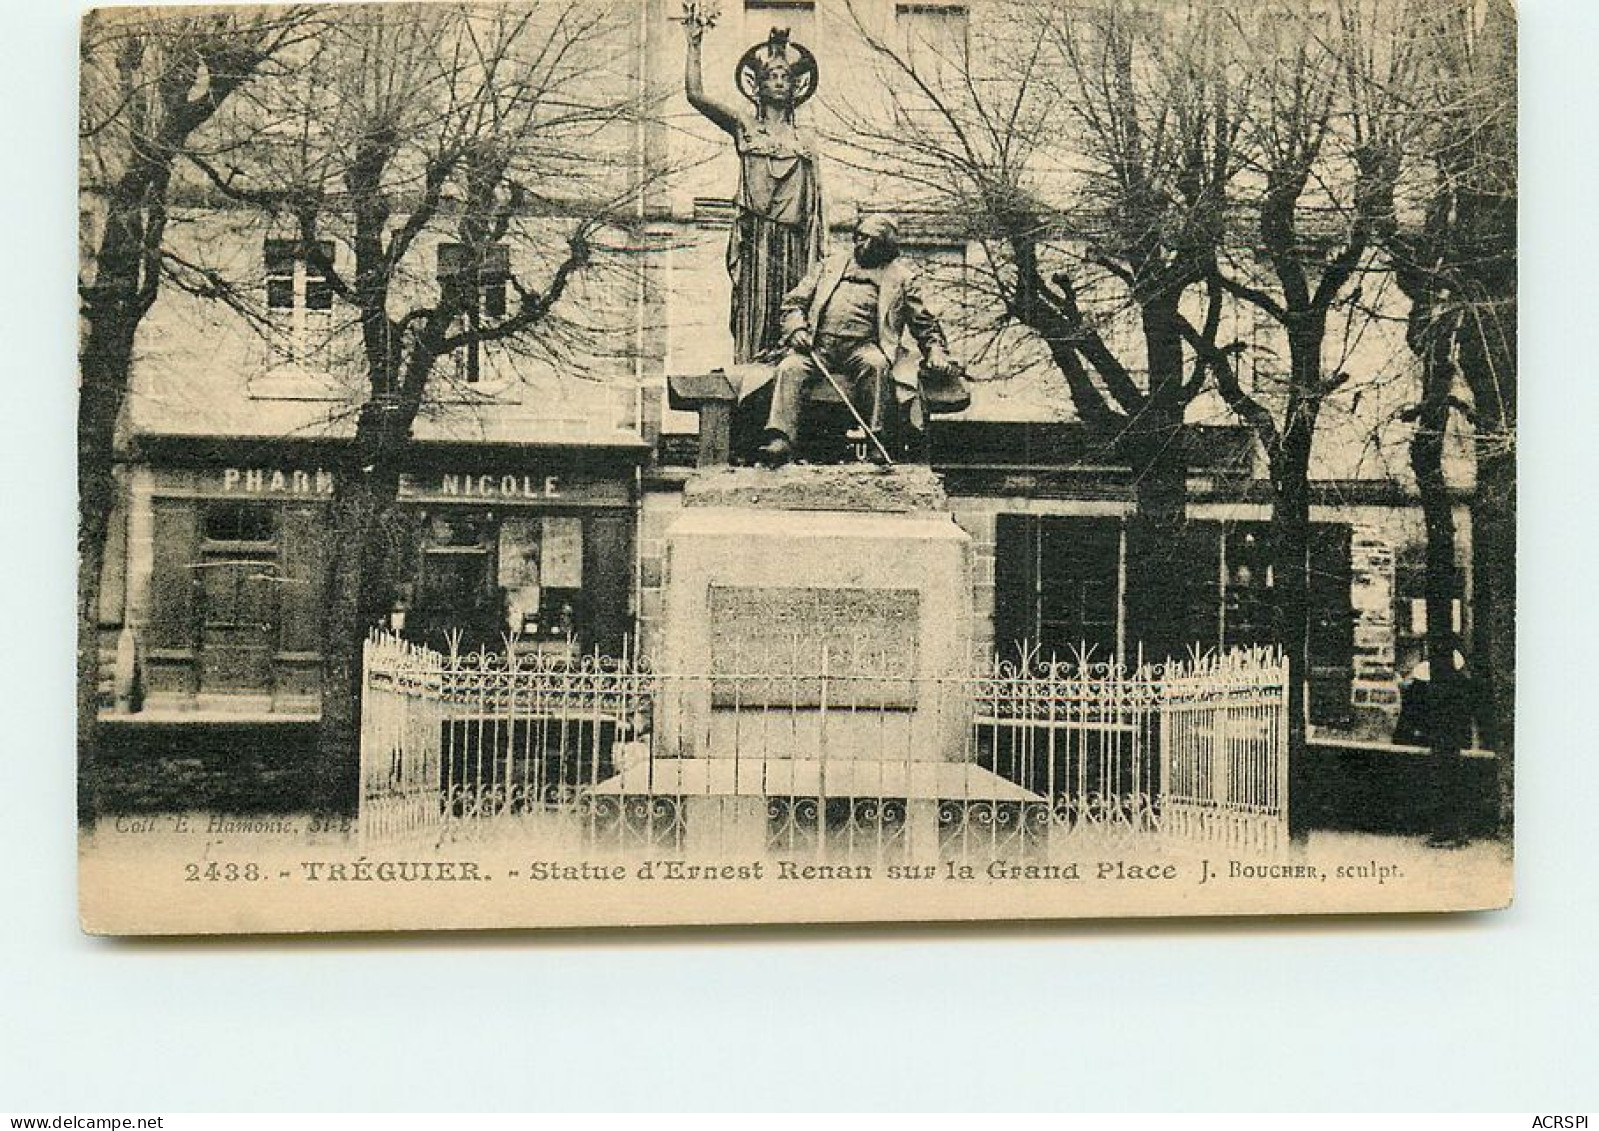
[777,231]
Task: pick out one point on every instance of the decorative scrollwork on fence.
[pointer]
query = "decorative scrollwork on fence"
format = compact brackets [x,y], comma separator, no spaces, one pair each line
[1112,819]
[793,824]
[1070,750]
[992,828]
[865,827]
[632,821]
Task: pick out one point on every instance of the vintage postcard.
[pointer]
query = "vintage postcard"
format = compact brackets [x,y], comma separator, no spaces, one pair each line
[574,463]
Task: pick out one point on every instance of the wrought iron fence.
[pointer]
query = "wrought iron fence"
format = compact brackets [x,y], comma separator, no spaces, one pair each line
[1014,761]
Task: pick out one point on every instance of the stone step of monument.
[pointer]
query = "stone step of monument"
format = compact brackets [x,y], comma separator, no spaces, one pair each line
[809,777]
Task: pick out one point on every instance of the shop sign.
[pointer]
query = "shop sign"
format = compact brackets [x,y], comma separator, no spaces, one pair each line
[444,486]
[275,481]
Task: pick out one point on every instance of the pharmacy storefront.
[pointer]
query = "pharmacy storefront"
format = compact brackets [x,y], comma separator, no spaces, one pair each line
[225,562]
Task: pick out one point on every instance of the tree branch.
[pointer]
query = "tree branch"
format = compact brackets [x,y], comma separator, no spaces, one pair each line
[1253,295]
[1220,360]
[1092,345]
[534,305]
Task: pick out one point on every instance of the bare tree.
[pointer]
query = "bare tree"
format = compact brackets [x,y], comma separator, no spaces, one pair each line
[152,80]
[505,131]
[1087,149]
[1326,128]
[1457,266]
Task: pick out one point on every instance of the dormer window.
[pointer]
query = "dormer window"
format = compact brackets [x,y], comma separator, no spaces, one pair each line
[476,286]
[299,297]
[934,34]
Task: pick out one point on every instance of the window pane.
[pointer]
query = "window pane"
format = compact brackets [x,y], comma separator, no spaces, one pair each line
[561,558]
[494,300]
[454,294]
[456,582]
[452,260]
[240,522]
[313,265]
[496,264]
[318,294]
[798,16]
[934,34]
[454,530]
[1251,608]
[280,257]
[280,294]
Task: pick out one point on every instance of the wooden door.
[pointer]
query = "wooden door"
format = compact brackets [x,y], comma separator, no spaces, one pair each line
[238,622]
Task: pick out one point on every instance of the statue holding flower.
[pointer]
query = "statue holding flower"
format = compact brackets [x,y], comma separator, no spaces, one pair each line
[777,233]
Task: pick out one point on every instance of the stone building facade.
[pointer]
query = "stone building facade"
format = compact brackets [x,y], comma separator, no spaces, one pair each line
[541,487]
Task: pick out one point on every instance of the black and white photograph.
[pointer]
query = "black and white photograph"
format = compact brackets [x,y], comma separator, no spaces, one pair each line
[576,464]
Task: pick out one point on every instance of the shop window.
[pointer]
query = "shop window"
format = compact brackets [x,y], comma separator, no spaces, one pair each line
[489,577]
[243,523]
[1247,610]
[299,298]
[541,575]
[454,590]
[1056,585]
[476,286]
[1245,595]
[448,532]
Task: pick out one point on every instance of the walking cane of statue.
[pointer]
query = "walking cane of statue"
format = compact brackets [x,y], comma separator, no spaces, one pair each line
[888,460]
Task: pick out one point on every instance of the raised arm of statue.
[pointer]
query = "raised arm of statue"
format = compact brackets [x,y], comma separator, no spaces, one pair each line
[777,223]
[694,80]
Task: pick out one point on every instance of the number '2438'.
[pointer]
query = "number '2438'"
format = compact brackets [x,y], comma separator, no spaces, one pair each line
[221,872]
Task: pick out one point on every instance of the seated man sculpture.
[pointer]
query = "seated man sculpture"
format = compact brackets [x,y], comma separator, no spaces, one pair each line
[842,325]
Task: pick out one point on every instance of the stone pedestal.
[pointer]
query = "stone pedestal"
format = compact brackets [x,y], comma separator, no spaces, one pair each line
[812,690]
[815,614]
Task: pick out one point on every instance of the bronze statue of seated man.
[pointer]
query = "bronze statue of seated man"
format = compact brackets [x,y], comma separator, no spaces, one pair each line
[842,329]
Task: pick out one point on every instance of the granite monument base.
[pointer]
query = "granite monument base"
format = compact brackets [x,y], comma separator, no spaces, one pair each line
[813,681]
[819,613]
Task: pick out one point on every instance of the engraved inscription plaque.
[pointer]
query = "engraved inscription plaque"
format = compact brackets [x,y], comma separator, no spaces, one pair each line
[805,646]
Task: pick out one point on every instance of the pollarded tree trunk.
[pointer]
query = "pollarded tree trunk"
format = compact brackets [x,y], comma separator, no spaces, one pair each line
[1447,693]
[1155,442]
[1487,358]
[104,364]
[1157,594]
[1493,531]
[358,596]
[1290,554]
[91,562]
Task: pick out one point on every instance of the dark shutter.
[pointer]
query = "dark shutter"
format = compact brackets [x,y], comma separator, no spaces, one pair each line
[303,572]
[1015,583]
[607,580]
[114,573]
[1332,624]
[1198,582]
[173,536]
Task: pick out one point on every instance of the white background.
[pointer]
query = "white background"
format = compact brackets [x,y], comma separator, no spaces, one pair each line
[1473,1012]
